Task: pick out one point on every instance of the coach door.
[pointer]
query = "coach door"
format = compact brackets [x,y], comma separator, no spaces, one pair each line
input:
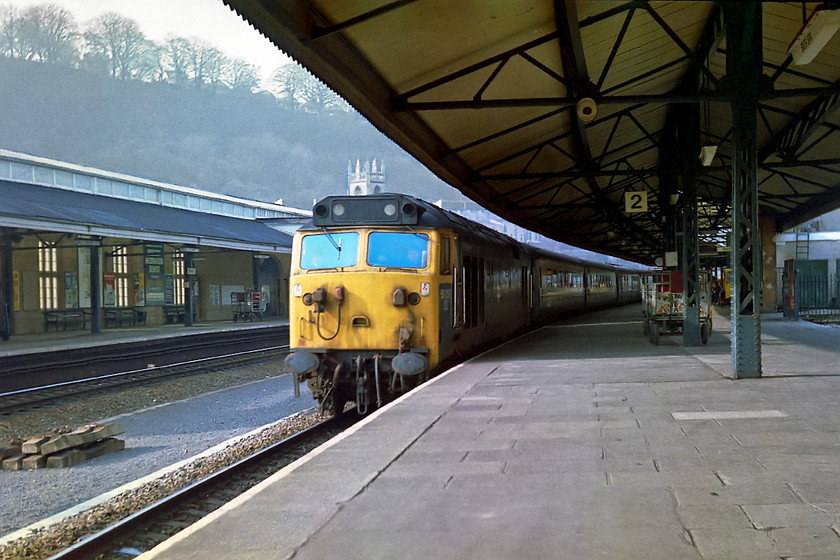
[473,274]
[458,299]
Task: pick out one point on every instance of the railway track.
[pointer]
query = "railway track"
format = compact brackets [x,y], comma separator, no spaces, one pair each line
[24,371]
[148,527]
[15,402]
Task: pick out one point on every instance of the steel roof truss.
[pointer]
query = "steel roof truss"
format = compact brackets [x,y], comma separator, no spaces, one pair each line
[401,100]
[619,39]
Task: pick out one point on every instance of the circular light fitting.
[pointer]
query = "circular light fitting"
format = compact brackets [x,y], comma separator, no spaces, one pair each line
[338,210]
[390,209]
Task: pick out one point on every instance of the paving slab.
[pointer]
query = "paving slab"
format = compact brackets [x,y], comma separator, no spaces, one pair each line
[580,440]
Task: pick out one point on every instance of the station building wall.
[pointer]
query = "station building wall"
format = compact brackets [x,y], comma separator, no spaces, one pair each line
[50,271]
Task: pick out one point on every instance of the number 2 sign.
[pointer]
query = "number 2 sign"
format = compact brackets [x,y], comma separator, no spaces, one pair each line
[635,201]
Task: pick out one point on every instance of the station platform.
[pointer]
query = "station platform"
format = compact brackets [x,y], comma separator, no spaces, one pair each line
[580,440]
[74,338]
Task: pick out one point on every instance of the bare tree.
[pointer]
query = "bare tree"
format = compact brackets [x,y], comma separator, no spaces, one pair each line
[288,84]
[302,91]
[151,65]
[177,57]
[11,21]
[43,33]
[215,66]
[205,63]
[241,76]
[118,40]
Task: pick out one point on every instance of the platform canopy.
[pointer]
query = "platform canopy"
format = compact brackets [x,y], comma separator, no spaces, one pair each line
[563,116]
[35,209]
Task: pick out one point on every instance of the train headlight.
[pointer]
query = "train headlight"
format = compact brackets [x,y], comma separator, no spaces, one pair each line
[413,298]
[390,209]
[338,209]
[307,299]
[301,361]
[321,211]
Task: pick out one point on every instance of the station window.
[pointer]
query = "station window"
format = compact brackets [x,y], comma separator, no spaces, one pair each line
[120,260]
[47,275]
[178,274]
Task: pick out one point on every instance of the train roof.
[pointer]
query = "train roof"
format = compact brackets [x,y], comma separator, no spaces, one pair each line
[395,210]
[402,210]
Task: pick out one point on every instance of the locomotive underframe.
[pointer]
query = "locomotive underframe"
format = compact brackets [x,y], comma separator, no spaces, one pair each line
[366,378]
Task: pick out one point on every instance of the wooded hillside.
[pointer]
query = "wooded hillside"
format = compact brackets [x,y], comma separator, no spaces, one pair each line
[228,141]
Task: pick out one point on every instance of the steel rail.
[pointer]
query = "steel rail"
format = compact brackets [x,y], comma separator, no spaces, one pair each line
[103,540]
[22,399]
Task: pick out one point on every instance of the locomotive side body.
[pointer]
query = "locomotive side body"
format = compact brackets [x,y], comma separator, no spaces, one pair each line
[629,287]
[558,287]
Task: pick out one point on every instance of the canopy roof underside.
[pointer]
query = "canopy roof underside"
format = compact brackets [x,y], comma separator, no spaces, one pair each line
[486,94]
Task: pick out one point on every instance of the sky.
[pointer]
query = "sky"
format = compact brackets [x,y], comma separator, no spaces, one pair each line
[210,20]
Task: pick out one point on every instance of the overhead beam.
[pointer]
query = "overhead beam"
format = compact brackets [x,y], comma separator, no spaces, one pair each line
[792,136]
[566,174]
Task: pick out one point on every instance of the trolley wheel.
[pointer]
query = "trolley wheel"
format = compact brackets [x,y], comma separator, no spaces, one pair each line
[251,317]
[704,333]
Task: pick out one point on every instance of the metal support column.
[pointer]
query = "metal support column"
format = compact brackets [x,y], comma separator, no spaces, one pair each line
[744,73]
[95,291]
[8,296]
[188,296]
[690,242]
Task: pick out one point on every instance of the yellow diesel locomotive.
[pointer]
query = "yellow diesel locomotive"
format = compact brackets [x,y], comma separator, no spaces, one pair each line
[388,290]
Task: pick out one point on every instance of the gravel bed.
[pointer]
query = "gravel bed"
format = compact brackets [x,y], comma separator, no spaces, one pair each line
[165,423]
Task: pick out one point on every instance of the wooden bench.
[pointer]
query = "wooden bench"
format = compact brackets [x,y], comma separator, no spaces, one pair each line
[174,313]
[65,317]
[131,315]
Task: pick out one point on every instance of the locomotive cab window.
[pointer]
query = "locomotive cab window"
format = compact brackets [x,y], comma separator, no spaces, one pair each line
[398,250]
[329,250]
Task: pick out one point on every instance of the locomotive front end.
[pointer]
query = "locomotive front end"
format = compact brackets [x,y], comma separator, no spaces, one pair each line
[363,305]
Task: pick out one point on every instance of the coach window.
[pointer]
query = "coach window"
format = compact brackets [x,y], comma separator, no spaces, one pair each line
[329,250]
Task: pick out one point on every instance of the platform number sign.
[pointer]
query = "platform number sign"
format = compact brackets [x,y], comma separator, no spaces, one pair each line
[635,201]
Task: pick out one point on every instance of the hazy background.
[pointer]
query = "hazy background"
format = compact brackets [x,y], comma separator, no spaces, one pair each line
[183,92]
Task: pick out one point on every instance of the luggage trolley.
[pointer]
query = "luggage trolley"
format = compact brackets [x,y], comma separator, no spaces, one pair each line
[247,305]
[663,307]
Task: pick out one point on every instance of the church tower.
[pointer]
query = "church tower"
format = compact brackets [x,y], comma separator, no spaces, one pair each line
[369,179]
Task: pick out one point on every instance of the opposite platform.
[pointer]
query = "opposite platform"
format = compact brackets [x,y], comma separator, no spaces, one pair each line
[59,341]
[580,441]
